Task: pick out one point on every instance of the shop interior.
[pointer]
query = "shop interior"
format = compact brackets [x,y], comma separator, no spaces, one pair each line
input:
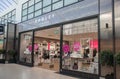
[47,48]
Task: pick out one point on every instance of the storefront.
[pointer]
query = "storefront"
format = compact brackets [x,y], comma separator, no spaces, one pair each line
[63,42]
[70,47]
[66,36]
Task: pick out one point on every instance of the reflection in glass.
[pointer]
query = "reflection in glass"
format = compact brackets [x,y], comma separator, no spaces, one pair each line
[46,2]
[24,18]
[37,1]
[25,5]
[37,13]
[67,2]
[47,9]
[30,9]
[55,0]
[26,47]
[80,46]
[24,12]
[38,5]
[58,5]
[31,2]
[30,16]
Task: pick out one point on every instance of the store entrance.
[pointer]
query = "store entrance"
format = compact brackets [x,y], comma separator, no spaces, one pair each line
[47,48]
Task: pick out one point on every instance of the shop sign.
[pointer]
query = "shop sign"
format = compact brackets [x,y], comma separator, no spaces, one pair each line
[44,18]
[79,10]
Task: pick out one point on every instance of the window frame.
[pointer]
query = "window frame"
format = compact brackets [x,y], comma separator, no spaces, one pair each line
[43,7]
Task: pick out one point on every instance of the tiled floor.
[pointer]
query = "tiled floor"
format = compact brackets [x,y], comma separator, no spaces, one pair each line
[14,71]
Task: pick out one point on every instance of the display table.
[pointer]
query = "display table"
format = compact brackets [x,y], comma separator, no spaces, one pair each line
[83,63]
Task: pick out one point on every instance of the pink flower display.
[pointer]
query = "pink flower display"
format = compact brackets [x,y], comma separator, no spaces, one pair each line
[36,46]
[66,48]
[76,46]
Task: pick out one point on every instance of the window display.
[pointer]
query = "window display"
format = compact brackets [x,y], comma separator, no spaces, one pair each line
[80,46]
[47,52]
[26,47]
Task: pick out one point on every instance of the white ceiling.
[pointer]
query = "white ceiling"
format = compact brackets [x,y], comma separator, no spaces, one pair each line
[6,4]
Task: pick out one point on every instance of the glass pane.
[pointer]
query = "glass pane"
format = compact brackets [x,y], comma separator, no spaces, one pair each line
[47,9]
[24,18]
[37,1]
[30,16]
[55,0]
[31,2]
[10,18]
[46,2]
[13,12]
[24,12]
[26,47]
[37,13]
[2,21]
[38,5]
[25,5]
[47,48]
[30,9]
[5,21]
[67,2]
[13,18]
[58,5]
[5,16]
[9,15]
[80,46]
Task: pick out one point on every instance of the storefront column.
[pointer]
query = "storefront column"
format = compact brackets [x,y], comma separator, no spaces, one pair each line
[116,7]
[61,43]
[107,41]
[32,54]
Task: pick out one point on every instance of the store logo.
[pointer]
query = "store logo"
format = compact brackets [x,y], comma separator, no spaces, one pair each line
[44,18]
